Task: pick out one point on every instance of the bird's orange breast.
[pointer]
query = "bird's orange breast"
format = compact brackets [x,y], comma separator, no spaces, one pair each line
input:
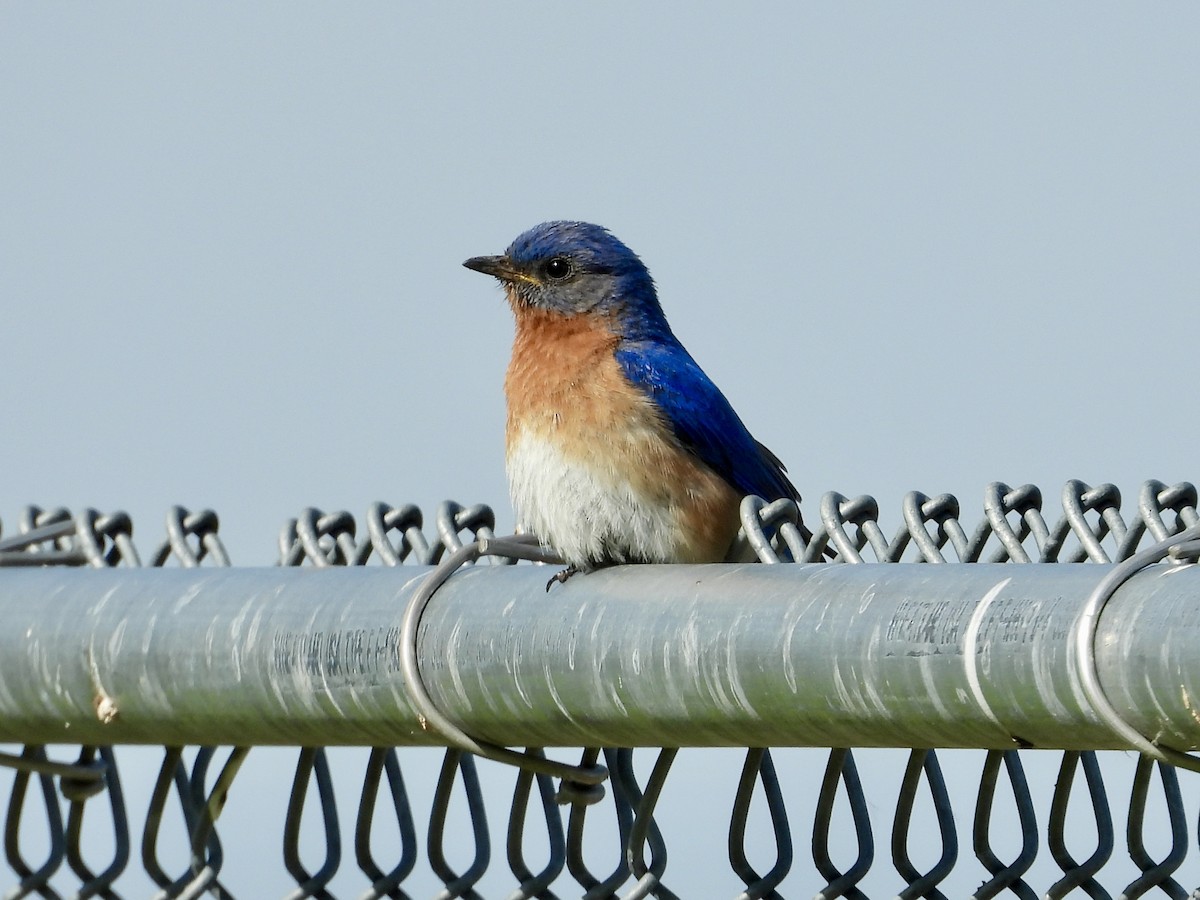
[609,467]
[563,377]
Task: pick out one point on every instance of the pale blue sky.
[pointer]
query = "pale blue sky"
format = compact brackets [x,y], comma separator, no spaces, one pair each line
[919,246]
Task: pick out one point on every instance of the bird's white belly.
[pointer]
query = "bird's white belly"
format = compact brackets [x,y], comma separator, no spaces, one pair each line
[585,510]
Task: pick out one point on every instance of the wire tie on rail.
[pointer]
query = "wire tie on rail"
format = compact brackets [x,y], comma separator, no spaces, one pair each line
[1182,547]
[580,784]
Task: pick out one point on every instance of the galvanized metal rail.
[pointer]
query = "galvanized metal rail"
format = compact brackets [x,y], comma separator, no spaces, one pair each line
[800,655]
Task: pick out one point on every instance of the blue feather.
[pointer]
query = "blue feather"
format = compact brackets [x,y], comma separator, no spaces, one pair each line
[701,418]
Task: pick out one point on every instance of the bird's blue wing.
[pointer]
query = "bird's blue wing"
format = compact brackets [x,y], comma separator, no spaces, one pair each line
[702,418]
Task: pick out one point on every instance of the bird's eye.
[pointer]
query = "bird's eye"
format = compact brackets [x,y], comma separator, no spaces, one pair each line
[558,268]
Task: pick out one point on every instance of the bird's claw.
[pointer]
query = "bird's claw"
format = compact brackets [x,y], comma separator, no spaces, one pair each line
[561,576]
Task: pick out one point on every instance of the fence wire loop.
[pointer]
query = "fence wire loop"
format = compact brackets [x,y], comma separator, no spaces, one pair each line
[531,884]
[1156,873]
[1156,498]
[384,761]
[923,766]
[644,831]
[1005,877]
[106,539]
[99,882]
[1181,547]
[999,502]
[838,513]
[594,888]
[919,510]
[841,770]
[580,782]
[456,884]
[313,760]
[182,528]
[1076,873]
[323,539]
[170,774]
[34,880]
[759,768]
[1078,499]
[769,527]
[406,521]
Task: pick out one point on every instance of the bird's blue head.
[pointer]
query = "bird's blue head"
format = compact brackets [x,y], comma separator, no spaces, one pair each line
[574,268]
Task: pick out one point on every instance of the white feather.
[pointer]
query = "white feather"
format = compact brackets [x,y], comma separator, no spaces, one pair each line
[586,512]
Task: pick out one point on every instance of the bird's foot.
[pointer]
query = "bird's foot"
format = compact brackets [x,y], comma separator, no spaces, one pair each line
[561,576]
[578,569]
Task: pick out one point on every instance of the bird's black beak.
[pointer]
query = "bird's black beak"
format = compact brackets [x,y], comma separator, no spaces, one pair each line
[497,266]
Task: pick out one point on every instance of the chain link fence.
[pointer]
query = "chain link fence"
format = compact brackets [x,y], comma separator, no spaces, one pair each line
[755,823]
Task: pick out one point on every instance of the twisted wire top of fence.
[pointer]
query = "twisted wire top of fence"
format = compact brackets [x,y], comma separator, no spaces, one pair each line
[1087,525]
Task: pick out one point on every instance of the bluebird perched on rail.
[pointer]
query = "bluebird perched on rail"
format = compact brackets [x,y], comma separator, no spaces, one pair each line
[619,447]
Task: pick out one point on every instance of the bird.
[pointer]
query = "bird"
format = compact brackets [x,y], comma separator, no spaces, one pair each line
[618,447]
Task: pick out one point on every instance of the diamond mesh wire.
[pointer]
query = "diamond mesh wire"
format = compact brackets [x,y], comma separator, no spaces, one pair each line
[787,823]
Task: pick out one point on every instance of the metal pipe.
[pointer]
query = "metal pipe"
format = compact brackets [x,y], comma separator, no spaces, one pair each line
[748,655]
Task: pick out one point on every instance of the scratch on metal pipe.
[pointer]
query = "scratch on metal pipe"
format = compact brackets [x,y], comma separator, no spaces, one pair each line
[452,644]
[734,673]
[1187,703]
[971,649]
[789,667]
[548,674]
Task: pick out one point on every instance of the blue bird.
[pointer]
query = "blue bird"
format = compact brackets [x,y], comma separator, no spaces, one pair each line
[619,447]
